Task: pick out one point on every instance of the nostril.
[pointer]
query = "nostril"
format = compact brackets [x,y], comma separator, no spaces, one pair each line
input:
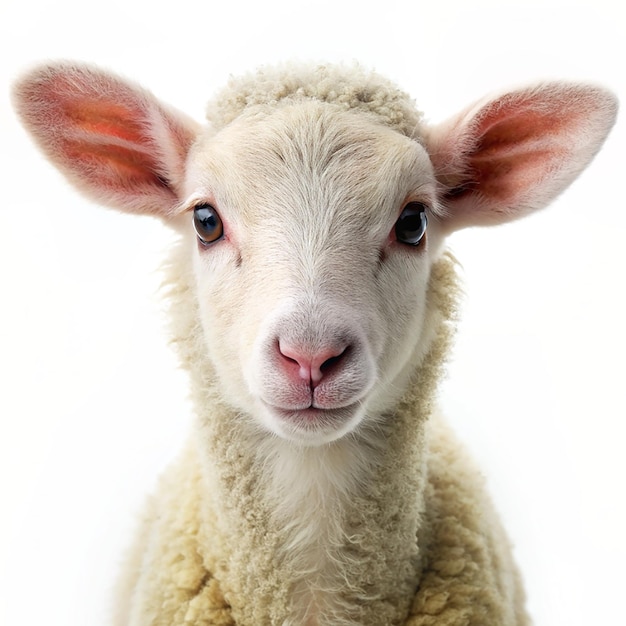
[331,363]
[288,358]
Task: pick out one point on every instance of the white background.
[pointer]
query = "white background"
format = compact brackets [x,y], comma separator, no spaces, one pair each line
[91,404]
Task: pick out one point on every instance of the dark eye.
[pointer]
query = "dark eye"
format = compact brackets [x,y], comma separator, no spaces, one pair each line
[207,223]
[411,225]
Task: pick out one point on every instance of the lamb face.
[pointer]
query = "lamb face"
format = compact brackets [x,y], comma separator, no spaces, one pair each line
[312,305]
[313,308]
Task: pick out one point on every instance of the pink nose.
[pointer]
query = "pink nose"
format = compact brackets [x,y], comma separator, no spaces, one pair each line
[311,367]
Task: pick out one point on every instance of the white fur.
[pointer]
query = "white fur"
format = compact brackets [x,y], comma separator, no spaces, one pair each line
[309,173]
[306,258]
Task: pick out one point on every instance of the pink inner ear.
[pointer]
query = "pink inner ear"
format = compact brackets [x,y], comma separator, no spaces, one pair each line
[516,150]
[114,166]
[513,154]
[100,129]
[104,119]
[112,139]
[108,137]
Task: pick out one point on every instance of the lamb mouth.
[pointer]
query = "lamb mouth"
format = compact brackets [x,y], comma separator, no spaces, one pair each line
[313,418]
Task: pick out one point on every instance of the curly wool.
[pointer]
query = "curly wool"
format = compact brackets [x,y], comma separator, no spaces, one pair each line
[347,86]
[196,568]
[420,544]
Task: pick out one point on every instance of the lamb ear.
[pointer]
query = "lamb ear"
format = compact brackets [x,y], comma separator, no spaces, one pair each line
[112,139]
[513,154]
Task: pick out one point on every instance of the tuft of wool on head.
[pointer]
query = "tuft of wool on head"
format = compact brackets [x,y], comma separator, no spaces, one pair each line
[347,86]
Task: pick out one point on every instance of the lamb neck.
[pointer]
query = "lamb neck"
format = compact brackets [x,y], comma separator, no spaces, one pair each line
[314,536]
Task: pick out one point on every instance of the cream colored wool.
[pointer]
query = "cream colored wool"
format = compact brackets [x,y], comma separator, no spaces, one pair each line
[211,552]
[349,87]
[386,523]
[208,557]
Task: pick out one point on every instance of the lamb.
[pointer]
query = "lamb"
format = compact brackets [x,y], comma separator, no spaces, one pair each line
[313,302]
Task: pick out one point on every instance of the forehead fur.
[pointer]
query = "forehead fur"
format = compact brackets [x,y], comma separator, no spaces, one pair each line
[348,86]
[311,154]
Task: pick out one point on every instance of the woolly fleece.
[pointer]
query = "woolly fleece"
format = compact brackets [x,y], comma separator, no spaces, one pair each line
[349,87]
[422,545]
[204,533]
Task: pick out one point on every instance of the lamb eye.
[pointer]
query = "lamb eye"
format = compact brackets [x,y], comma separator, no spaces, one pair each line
[411,225]
[207,224]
